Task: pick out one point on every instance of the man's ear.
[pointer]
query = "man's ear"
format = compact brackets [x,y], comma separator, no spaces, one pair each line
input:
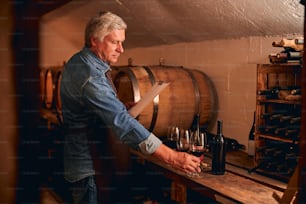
[93,41]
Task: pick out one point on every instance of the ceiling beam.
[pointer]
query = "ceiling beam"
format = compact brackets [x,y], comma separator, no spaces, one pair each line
[38,8]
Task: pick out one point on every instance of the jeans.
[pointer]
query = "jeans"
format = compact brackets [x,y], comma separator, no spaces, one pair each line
[85,191]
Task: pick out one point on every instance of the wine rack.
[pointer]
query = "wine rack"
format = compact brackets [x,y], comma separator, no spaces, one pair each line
[278,114]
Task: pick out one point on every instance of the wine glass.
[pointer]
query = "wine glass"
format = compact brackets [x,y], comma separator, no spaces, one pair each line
[172,136]
[183,142]
[197,143]
[197,148]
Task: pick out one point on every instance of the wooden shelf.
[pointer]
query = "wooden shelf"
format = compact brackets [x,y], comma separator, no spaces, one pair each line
[278,101]
[277,138]
[233,186]
[280,76]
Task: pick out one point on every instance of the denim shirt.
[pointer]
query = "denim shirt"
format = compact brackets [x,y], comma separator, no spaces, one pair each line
[85,93]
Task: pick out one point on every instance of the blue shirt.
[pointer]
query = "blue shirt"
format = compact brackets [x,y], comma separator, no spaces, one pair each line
[87,93]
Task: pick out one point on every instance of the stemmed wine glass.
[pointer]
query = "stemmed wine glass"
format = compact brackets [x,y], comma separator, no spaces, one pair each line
[172,136]
[183,142]
[198,146]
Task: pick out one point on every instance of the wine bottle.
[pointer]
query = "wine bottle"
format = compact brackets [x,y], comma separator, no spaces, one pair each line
[251,142]
[268,129]
[293,55]
[219,152]
[197,139]
[294,61]
[289,55]
[266,115]
[260,164]
[265,164]
[294,126]
[269,93]
[261,149]
[285,119]
[299,41]
[292,133]
[232,144]
[295,120]
[280,131]
[289,43]
[274,59]
[269,151]
[296,91]
[284,169]
[197,131]
[195,126]
[291,156]
[271,165]
[278,153]
[275,118]
[283,55]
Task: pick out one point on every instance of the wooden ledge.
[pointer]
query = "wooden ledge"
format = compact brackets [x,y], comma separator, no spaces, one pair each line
[231,186]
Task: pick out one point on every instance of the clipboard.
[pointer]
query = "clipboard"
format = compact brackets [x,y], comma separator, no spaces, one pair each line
[147,98]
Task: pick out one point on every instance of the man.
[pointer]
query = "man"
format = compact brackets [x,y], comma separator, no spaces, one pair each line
[88,96]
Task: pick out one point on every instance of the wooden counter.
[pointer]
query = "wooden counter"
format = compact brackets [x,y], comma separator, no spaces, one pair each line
[228,188]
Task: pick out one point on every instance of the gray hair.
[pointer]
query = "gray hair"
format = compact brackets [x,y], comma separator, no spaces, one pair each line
[101,25]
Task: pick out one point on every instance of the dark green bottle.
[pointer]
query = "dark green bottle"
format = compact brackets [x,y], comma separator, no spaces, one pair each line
[218,152]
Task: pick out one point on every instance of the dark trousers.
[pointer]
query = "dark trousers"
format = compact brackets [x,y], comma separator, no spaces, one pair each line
[84,191]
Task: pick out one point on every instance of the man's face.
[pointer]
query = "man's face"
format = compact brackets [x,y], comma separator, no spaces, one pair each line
[111,47]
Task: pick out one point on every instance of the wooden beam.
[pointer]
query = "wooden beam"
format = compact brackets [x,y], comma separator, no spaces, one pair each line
[39,7]
[25,68]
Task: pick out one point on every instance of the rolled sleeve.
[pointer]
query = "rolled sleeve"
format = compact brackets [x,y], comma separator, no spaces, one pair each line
[149,145]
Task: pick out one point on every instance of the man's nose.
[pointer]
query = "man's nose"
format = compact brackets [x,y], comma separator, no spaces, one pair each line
[120,48]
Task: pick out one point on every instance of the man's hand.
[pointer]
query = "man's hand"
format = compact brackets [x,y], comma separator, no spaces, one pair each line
[130,104]
[179,160]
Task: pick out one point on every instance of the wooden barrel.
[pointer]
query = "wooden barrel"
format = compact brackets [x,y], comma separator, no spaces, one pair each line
[190,92]
[42,87]
[49,89]
[58,101]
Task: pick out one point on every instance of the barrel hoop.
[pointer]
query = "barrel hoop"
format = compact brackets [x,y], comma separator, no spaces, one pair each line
[57,90]
[135,85]
[196,91]
[49,76]
[155,100]
[214,98]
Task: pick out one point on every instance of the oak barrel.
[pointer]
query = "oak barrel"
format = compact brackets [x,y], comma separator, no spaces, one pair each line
[190,92]
[42,87]
[58,101]
[49,88]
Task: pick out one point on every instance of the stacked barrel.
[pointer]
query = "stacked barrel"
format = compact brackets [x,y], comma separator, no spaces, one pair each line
[190,92]
[50,79]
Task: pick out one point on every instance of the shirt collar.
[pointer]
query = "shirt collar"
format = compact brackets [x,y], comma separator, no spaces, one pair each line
[94,60]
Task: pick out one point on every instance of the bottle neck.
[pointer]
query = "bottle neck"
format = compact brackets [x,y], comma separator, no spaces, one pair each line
[219,128]
[198,124]
[254,118]
[195,126]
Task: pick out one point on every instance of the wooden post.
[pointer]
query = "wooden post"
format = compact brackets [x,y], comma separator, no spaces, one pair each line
[289,195]
[302,160]
[178,192]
